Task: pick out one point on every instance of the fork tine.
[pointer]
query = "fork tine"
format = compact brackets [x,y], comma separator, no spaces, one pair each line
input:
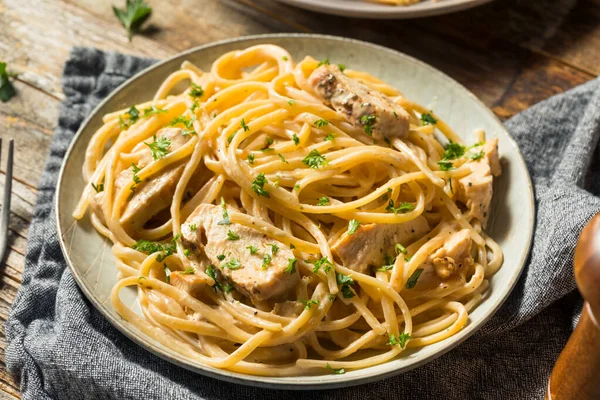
[5,217]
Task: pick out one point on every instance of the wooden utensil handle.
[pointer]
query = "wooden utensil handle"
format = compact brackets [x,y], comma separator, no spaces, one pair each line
[576,374]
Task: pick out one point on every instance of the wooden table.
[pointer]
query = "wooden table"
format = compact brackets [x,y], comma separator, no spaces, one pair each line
[510,53]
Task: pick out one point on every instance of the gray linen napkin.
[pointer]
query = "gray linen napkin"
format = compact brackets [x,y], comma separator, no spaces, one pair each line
[61,347]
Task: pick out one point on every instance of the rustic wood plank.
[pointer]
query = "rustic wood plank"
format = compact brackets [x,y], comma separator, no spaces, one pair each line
[31,107]
[39,35]
[182,24]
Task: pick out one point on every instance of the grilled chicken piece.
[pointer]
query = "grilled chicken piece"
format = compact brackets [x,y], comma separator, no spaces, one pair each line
[192,284]
[245,271]
[360,105]
[475,190]
[289,309]
[453,256]
[371,243]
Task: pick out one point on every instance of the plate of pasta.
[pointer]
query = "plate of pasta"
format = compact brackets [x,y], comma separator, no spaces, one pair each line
[396,9]
[294,211]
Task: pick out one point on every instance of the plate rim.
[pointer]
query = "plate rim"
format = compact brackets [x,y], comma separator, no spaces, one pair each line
[384,11]
[289,383]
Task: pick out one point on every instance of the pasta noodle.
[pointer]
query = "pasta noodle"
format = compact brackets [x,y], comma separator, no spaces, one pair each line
[338,241]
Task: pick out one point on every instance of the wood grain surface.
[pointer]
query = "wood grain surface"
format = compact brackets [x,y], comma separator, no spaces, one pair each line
[510,53]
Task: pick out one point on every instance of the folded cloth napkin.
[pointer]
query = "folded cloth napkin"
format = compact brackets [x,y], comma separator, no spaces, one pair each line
[61,347]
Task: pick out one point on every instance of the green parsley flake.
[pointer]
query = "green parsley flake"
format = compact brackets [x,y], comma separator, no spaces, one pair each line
[367,121]
[152,111]
[445,165]
[221,257]
[296,139]
[193,227]
[291,268]
[251,158]
[309,303]
[282,158]
[314,159]
[7,90]
[98,188]
[412,281]
[189,271]
[336,371]
[266,260]
[159,147]
[167,273]
[253,249]
[347,292]
[274,249]
[329,137]
[323,62]
[322,262]
[196,90]
[291,102]
[258,185]
[476,156]
[428,119]
[403,207]
[342,67]
[225,220]
[320,123]
[400,249]
[353,226]
[284,58]
[233,264]
[244,126]
[323,201]
[147,247]
[232,235]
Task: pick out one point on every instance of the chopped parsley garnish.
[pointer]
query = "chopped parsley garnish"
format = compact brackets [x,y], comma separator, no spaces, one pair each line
[296,186]
[401,339]
[309,303]
[159,147]
[232,235]
[353,226]
[274,248]
[188,271]
[476,156]
[258,185]
[282,158]
[196,90]
[384,268]
[445,165]
[403,207]
[195,105]
[253,249]
[400,249]
[323,201]
[193,227]
[134,114]
[323,62]
[136,169]
[210,271]
[221,257]
[367,121]
[186,252]
[7,90]
[187,122]
[244,126]
[266,260]
[291,268]
[152,111]
[291,102]
[427,119]
[342,67]
[251,158]
[296,139]
[132,189]
[167,273]
[322,262]
[292,246]
[320,123]
[412,281]
[98,188]
[343,279]
[314,159]
[148,247]
[329,137]
[284,58]
[347,292]
[336,371]
[453,151]
[233,264]
[135,13]
[225,220]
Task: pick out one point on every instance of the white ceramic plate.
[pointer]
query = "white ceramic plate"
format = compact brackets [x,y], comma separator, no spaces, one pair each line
[92,264]
[369,9]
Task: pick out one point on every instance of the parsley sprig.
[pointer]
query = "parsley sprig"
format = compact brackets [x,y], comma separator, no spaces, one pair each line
[7,90]
[403,207]
[258,185]
[314,159]
[159,147]
[135,13]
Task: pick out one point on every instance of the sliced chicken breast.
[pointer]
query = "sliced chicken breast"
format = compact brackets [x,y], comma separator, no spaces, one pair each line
[360,105]
[190,283]
[256,265]
[453,256]
[371,243]
[475,190]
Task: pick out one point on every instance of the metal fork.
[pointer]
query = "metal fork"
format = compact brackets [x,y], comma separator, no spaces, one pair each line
[5,217]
